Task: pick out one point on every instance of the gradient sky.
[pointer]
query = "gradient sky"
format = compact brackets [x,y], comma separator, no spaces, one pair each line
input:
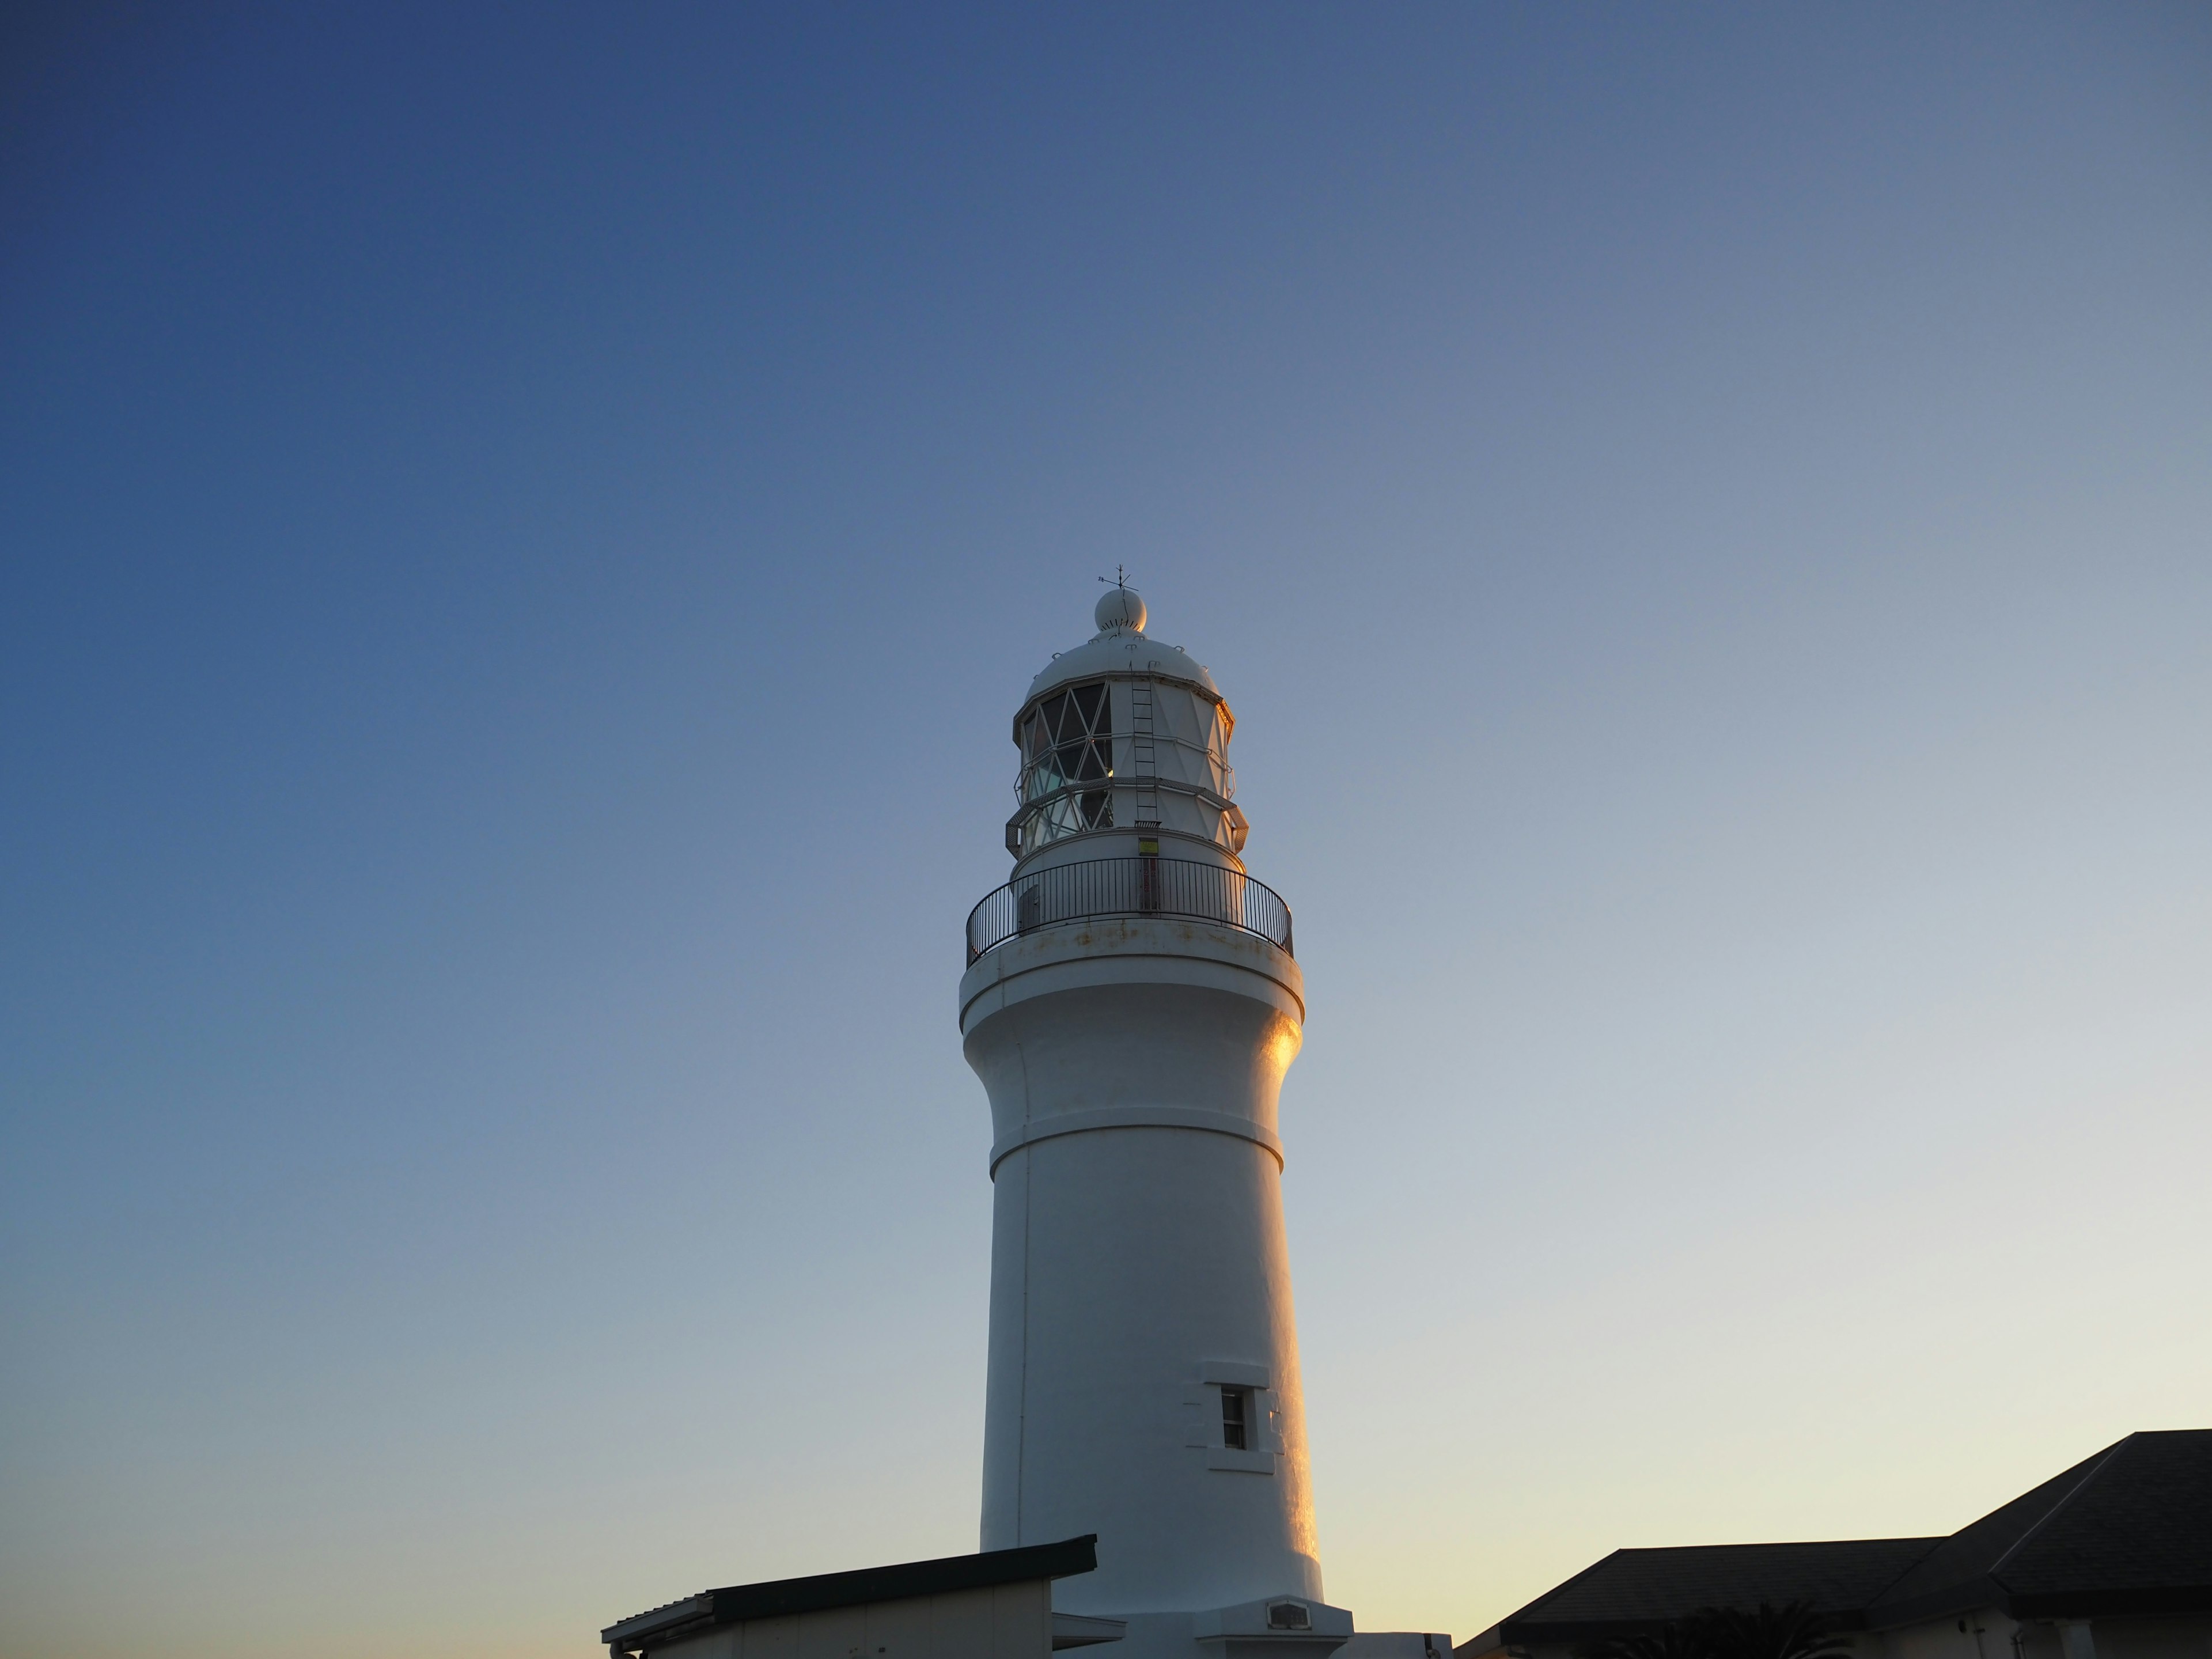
[526,528]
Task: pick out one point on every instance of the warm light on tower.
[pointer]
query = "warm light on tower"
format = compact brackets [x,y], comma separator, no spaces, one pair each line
[1131,1004]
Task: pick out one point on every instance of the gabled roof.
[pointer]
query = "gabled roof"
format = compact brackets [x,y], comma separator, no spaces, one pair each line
[2128,1530]
[778,1597]
[1640,1588]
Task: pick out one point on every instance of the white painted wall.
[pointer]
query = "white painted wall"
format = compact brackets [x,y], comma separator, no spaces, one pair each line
[1139,1261]
[1984,1634]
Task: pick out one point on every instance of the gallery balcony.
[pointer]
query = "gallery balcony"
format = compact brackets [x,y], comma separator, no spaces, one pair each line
[1098,889]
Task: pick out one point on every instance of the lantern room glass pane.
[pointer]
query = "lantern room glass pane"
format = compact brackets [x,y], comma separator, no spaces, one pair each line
[1068,740]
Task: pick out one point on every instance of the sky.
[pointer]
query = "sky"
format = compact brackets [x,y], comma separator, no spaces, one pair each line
[525,529]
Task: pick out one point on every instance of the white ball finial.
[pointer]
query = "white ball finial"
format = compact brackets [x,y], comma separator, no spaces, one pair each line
[1120,607]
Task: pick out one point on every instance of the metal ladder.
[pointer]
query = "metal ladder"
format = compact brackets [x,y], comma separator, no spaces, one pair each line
[1141,761]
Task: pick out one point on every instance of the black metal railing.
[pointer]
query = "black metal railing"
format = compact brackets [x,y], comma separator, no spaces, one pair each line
[1096,888]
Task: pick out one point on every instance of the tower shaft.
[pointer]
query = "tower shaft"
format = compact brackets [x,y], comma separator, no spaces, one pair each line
[1143,1372]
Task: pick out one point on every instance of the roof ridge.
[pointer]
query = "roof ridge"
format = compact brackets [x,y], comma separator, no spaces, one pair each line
[1773,1544]
[1562,1584]
[1911,1566]
[2077,1489]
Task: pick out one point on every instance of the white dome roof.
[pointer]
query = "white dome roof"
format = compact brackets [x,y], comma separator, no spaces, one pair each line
[1120,607]
[1120,647]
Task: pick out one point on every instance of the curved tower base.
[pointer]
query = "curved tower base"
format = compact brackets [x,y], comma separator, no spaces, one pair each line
[1143,1372]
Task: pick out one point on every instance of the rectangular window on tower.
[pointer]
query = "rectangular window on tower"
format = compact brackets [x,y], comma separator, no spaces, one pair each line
[1235,1415]
[1239,1397]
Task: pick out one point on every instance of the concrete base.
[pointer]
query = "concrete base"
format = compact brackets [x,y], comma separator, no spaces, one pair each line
[1247,1631]
[1280,1627]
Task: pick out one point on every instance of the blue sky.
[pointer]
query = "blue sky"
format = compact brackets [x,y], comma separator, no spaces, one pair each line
[524,530]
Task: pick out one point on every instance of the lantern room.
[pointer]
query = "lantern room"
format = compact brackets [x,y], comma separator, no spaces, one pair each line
[1124,743]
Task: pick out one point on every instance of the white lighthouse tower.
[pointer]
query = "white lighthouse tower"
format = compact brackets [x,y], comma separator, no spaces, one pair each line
[1131,1003]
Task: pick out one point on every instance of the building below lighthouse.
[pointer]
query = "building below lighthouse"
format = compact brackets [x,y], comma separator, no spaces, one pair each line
[1130,1003]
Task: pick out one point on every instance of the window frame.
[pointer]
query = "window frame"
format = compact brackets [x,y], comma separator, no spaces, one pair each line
[1261,1451]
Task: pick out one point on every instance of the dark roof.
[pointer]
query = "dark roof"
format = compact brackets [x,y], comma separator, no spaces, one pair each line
[1634,1589]
[2128,1530]
[697,1614]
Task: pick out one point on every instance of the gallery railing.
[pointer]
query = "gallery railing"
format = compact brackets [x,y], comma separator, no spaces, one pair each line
[1096,888]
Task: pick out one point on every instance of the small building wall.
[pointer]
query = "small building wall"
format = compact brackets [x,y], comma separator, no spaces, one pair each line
[1988,1634]
[1392,1644]
[2188,1636]
[1002,1621]
[1984,1633]
[1860,1643]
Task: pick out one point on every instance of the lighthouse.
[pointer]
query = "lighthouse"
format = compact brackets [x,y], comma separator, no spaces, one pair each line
[1131,1003]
